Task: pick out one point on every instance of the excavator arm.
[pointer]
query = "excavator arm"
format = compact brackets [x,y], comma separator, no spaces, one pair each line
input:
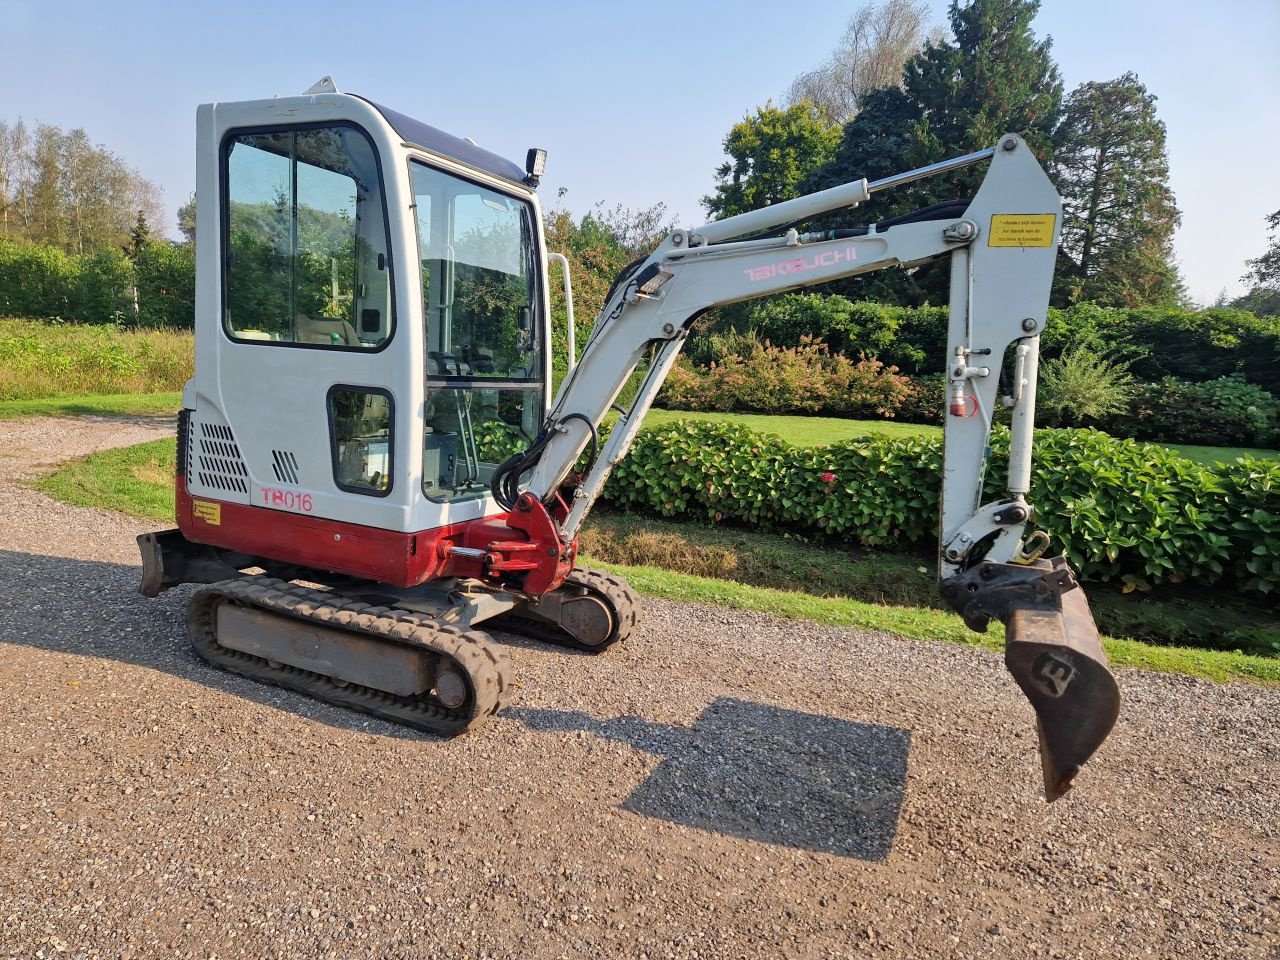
[1002,247]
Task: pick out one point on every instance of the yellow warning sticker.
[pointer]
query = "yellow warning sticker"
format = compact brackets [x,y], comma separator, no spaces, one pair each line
[1021,230]
[208,511]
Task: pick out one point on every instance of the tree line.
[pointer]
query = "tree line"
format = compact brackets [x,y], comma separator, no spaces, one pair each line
[59,189]
[896,94]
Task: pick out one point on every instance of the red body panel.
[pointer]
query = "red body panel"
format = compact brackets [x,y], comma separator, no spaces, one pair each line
[386,556]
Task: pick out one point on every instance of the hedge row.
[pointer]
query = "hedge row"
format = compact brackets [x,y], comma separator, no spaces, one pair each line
[1118,509]
[807,378]
[155,289]
[1190,345]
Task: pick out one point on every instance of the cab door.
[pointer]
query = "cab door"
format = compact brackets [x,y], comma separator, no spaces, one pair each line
[310,384]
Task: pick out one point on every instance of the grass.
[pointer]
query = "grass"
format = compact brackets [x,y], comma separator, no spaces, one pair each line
[42,360]
[752,571]
[926,624]
[137,480]
[136,404]
[1193,617]
[820,431]
[802,431]
[1208,456]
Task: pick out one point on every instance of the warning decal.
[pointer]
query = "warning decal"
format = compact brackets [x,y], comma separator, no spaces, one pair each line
[1021,230]
[207,510]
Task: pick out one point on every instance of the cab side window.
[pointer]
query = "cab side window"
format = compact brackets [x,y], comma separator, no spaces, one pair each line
[305,239]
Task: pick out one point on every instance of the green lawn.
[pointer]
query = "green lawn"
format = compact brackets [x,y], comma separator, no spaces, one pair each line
[137,480]
[928,624]
[801,431]
[1211,455]
[820,431]
[89,404]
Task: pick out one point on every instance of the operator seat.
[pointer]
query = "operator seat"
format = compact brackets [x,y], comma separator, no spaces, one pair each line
[323,330]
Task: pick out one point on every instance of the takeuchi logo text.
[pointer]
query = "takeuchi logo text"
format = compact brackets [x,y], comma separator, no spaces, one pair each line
[827,258]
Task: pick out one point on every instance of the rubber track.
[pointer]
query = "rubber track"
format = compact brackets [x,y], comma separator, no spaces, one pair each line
[617,594]
[472,652]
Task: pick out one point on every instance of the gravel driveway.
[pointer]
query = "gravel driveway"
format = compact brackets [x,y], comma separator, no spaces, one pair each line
[725,785]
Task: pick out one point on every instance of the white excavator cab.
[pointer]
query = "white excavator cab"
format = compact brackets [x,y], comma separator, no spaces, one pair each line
[372,317]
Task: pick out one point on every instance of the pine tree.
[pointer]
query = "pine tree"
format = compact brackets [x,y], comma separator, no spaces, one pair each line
[139,236]
[995,78]
[957,97]
[1119,213]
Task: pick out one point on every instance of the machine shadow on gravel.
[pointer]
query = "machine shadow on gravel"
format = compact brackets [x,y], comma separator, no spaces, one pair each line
[90,608]
[763,773]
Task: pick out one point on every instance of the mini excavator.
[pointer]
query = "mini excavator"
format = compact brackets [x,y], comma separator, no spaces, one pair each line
[370,463]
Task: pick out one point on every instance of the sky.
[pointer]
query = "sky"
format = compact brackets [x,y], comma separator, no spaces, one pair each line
[632,102]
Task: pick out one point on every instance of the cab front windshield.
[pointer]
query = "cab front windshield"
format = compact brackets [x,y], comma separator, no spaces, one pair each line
[484,367]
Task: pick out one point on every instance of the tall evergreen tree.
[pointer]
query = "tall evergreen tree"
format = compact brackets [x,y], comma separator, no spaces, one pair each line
[957,97]
[995,78]
[139,236]
[1119,213]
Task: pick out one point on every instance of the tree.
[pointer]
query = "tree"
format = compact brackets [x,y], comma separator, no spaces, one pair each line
[877,41]
[60,189]
[187,219]
[770,153]
[1119,213]
[139,236]
[1264,274]
[957,97]
[13,163]
[995,78]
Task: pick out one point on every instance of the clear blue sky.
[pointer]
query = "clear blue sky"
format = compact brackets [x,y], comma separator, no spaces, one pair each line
[631,100]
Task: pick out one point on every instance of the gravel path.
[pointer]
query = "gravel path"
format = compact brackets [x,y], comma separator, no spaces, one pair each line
[726,785]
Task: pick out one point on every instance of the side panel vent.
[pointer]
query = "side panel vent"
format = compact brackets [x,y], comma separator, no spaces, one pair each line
[216,459]
[285,466]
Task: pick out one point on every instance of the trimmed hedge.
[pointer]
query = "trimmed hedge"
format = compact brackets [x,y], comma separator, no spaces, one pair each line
[1118,509]
[1191,345]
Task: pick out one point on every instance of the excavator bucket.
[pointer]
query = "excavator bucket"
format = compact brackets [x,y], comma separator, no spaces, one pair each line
[1057,660]
[1054,653]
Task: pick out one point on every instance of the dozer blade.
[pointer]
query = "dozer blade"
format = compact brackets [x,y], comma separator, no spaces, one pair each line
[1057,660]
[1054,653]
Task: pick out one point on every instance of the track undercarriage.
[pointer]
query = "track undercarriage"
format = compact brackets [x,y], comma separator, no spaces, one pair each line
[413,657]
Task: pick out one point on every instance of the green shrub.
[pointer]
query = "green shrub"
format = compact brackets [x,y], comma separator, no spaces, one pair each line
[711,348]
[37,281]
[104,289]
[44,283]
[1251,489]
[925,400]
[1082,388]
[847,328]
[1118,509]
[1192,345]
[1226,411]
[807,378]
[166,277]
